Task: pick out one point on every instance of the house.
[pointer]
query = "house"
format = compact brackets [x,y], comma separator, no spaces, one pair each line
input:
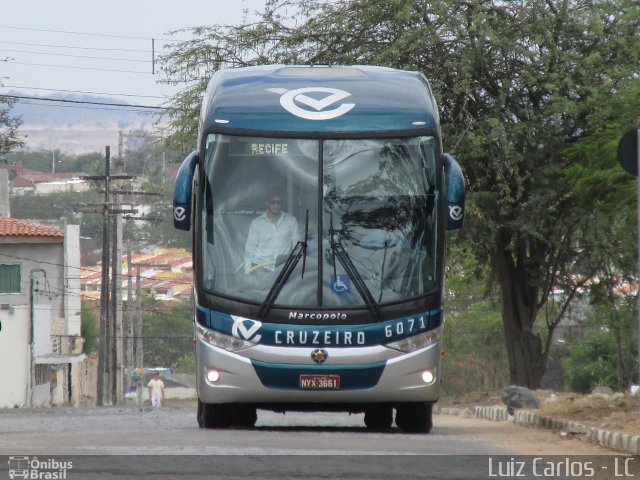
[165,273]
[28,182]
[40,314]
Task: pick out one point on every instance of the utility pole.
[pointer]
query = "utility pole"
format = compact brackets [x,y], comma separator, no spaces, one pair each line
[112,355]
[116,268]
[138,349]
[104,287]
[129,356]
[107,351]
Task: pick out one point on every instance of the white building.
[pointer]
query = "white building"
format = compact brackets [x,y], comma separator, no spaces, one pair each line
[40,314]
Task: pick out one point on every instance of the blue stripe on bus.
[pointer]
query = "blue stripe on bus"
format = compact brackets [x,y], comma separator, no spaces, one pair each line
[287,377]
[340,336]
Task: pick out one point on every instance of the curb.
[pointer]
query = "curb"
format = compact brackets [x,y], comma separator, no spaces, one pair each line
[613,440]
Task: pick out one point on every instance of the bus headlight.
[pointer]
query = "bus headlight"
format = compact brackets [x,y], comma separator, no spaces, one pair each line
[428,376]
[221,340]
[415,342]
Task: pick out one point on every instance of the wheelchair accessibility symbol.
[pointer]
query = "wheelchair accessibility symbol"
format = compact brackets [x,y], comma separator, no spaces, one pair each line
[340,284]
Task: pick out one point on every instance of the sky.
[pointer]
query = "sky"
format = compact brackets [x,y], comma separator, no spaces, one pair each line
[100,47]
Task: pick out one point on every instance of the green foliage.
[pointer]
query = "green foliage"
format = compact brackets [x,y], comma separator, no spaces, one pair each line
[159,229]
[167,332]
[90,330]
[607,355]
[591,363]
[54,160]
[186,364]
[53,206]
[475,355]
[9,126]
[65,206]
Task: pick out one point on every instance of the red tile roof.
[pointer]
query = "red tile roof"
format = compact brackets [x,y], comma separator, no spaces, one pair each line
[14,227]
[20,182]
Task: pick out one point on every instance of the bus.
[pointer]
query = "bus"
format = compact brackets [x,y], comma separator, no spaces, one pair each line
[341,309]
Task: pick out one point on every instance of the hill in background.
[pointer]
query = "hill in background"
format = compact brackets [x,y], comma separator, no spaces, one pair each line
[77,125]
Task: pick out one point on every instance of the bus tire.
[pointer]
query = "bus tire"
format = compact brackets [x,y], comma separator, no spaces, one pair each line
[378,417]
[243,415]
[415,417]
[213,415]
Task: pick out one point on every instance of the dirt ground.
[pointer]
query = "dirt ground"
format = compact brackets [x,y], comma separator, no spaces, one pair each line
[617,412]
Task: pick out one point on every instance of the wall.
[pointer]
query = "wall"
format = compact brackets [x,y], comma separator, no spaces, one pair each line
[14,356]
[44,188]
[16,318]
[72,300]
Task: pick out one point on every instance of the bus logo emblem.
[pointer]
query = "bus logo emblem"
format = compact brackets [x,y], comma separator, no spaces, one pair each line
[179,213]
[455,212]
[319,355]
[311,103]
[239,330]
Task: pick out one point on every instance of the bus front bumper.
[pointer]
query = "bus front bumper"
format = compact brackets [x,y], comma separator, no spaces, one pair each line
[262,375]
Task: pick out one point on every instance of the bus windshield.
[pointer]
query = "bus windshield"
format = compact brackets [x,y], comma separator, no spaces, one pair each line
[352,221]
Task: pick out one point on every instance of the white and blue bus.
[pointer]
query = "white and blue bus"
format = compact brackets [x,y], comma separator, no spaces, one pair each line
[346,312]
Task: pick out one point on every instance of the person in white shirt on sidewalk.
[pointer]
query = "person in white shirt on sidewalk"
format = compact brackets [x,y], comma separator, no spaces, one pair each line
[156,391]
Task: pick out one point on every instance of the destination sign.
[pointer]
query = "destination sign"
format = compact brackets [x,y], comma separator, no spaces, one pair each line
[259,148]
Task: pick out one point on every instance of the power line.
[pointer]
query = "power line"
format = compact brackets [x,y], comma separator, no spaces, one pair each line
[85,33]
[74,56]
[85,102]
[120,109]
[79,68]
[83,91]
[77,48]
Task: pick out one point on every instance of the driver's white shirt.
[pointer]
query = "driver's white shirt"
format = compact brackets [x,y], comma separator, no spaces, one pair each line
[266,240]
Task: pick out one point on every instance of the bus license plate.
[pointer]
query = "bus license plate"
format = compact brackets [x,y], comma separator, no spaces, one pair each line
[320,382]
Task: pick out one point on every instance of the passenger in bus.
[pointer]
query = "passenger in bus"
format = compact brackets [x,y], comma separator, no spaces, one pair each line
[272,236]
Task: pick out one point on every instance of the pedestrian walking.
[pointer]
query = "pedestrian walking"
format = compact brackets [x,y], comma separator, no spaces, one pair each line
[156,391]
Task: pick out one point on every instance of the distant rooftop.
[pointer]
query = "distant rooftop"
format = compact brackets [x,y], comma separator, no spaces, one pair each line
[14,227]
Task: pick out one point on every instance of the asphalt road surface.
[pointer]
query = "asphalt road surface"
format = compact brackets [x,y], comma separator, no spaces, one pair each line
[139,442]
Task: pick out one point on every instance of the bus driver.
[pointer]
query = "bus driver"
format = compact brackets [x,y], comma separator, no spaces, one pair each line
[271,235]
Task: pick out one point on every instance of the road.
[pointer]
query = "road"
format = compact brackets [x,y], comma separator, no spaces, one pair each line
[130,442]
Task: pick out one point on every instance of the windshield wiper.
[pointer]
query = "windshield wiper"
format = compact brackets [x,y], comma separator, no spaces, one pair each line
[299,251]
[345,260]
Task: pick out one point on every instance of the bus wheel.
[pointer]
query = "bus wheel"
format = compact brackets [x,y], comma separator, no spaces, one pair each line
[213,415]
[243,415]
[415,417]
[378,417]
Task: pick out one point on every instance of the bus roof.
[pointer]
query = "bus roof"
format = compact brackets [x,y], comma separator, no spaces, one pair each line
[319,99]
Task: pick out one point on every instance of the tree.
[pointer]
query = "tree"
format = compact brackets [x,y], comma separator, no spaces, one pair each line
[591,363]
[167,333]
[90,330]
[473,359]
[9,125]
[518,84]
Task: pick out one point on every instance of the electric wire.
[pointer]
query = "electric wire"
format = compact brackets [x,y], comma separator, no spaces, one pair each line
[84,91]
[92,34]
[49,54]
[47,45]
[83,102]
[79,68]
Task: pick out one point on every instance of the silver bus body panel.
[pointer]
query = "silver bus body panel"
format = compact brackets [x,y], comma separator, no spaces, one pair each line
[400,381]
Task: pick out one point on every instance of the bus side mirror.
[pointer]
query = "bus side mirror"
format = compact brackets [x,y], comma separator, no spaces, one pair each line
[182,192]
[454,180]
